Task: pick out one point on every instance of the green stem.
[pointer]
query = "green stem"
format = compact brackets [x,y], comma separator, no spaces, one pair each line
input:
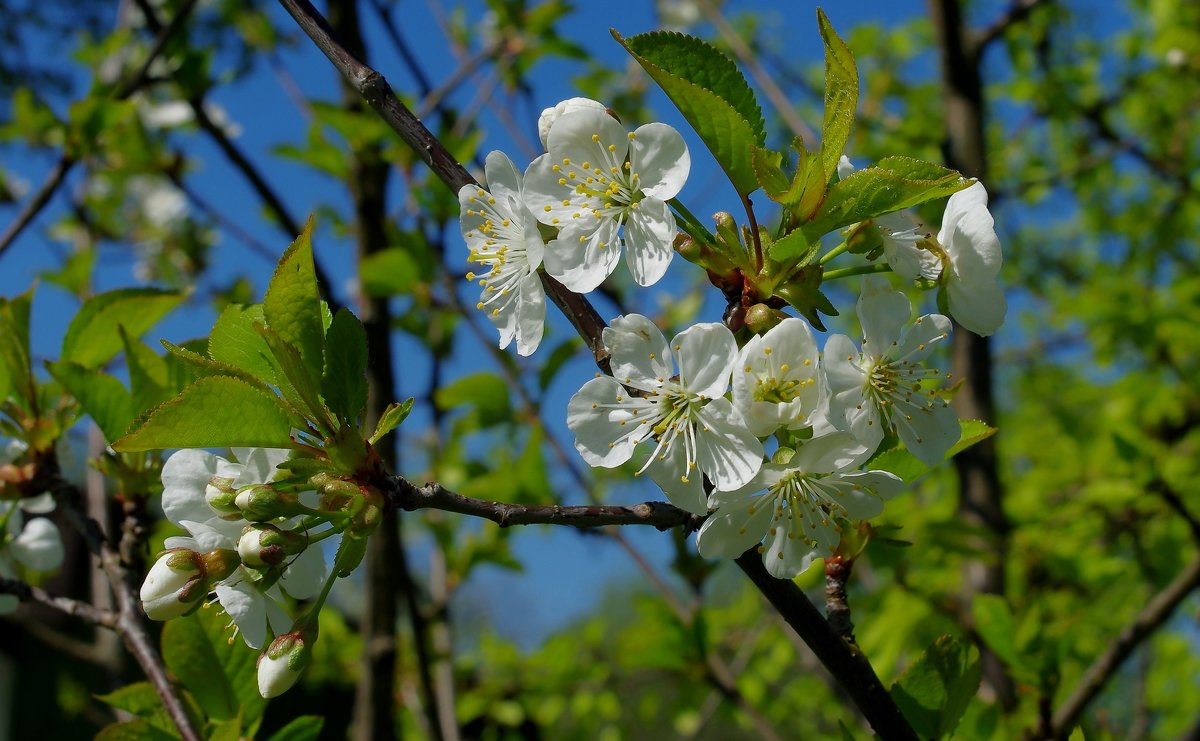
[318,537]
[878,267]
[845,245]
[691,224]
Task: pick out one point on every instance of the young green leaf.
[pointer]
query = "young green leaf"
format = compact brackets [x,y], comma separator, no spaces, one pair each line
[292,305]
[101,396]
[235,341]
[141,700]
[841,97]
[304,728]
[344,384]
[391,418]
[92,338]
[892,184]
[16,376]
[934,692]
[221,675]
[214,412]
[710,92]
[134,730]
[301,391]
[904,464]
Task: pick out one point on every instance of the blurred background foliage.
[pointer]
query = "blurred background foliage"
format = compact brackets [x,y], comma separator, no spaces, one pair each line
[184,180]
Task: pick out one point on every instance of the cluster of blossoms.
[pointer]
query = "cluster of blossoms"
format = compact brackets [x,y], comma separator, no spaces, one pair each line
[252,543]
[597,189]
[772,440]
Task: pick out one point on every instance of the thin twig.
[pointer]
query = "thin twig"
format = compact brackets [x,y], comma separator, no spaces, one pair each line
[129,616]
[73,607]
[1017,12]
[1152,616]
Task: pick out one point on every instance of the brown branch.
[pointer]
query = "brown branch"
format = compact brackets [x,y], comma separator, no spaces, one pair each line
[408,496]
[65,605]
[837,605]
[1152,616]
[1017,12]
[845,662]
[376,91]
[129,617]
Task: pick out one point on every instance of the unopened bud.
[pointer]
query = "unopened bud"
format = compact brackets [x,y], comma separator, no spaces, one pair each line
[266,545]
[174,586]
[336,494]
[221,496]
[262,502]
[760,318]
[282,663]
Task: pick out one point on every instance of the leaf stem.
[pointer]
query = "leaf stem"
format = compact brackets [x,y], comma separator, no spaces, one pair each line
[754,235]
[877,267]
[845,245]
[691,224]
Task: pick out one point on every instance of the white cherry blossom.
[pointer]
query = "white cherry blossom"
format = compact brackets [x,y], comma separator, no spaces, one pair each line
[693,428]
[884,387]
[798,507]
[186,475]
[973,260]
[502,236]
[597,180]
[777,381]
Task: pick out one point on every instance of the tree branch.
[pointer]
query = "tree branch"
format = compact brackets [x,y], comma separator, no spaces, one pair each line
[1017,12]
[82,610]
[845,662]
[128,618]
[1152,616]
[408,496]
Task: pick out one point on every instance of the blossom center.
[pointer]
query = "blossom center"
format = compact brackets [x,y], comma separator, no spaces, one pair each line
[500,247]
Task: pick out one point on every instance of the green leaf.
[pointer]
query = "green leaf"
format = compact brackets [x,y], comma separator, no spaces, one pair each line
[934,692]
[710,92]
[236,342]
[304,728]
[344,384]
[16,378]
[214,412]
[193,363]
[292,306]
[389,272]
[995,623]
[485,392]
[140,699]
[841,96]
[301,390]
[391,418]
[892,184]
[101,396]
[75,273]
[134,730]
[92,338]
[906,465]
[222,676]
[226,730]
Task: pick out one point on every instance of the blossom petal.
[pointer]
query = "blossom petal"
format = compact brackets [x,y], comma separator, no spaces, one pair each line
[502,176]
[639,354]
[39,546]
[550,116]
[683,489]
[531,315]
[705,354]
[732,529]
[649,241]
[870,490]
[184,476]
[725,450]
[969,235]
[978,306]
[599,435]
[883,312]
[259,465]
[787,555]
[931,432]
[544,195]
[921,339]
[571,143]
[305,575]
[581,258]
[829,453]
[660,157]
[246,605]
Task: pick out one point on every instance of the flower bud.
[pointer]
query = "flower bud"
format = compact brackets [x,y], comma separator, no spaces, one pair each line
[336,494]
[174,586]
[281,664]
[551,115]
[221,496]
[266,545]
[262,502]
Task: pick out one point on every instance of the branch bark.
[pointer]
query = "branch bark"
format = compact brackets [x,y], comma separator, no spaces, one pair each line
[1152,616]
